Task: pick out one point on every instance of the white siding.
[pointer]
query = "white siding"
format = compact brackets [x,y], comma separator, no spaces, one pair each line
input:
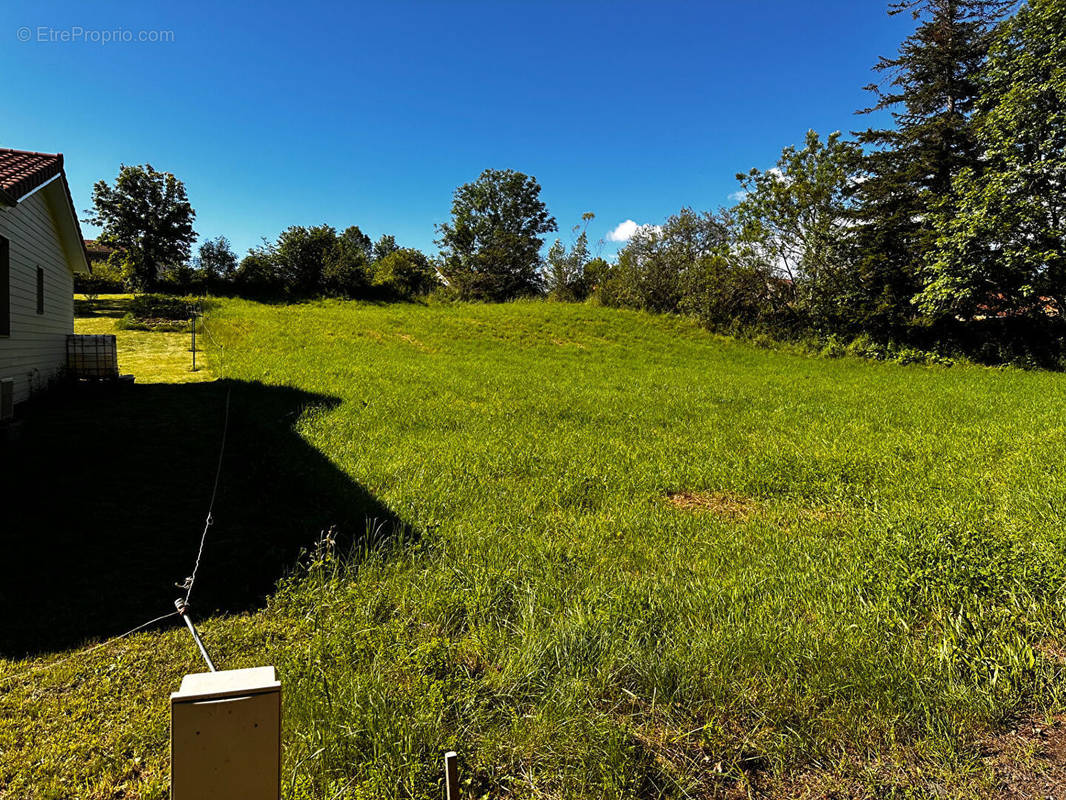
[36,350]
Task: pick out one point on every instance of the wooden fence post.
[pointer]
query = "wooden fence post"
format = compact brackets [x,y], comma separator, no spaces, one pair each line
[451,774]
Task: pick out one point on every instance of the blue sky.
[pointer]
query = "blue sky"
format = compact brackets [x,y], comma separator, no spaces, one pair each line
[371,114]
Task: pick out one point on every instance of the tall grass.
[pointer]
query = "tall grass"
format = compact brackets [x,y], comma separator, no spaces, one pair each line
[894,589]
[866,576]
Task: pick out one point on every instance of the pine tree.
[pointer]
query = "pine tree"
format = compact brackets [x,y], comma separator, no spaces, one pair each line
[931,88]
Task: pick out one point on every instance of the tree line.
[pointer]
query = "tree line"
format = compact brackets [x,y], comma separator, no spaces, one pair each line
[945,231]
[147,220]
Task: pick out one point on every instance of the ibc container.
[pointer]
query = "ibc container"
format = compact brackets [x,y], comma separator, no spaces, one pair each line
[93,357]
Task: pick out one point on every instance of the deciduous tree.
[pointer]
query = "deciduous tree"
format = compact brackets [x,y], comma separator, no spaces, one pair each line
[491,248]
[404,273]
[147,216]
[795,218]
[301,254]
[1003,243]
[564,270]
[216,259]
[383,246]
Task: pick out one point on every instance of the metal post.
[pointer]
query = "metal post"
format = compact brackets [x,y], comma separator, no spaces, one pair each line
[451,774]
[183,610]
[193,320]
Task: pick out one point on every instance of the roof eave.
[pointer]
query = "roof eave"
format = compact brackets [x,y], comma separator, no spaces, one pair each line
[70,227]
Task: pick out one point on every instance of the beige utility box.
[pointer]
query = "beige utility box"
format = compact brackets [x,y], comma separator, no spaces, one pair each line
[225,736]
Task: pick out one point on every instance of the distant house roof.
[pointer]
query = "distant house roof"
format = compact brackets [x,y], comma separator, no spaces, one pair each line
[94,248]
[998,306]
[22,172]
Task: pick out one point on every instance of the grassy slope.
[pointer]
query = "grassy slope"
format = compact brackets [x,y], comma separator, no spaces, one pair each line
[875,581]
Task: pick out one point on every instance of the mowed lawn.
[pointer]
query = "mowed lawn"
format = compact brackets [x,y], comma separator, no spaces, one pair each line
[617,557]
[150,356]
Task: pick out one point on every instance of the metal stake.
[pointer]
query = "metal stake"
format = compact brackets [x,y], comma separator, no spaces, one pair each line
[193,320]
[183,610]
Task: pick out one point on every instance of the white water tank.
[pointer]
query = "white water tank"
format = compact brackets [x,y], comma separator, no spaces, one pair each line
[92,356]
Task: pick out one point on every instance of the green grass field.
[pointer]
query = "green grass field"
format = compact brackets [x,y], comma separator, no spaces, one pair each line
[615,556]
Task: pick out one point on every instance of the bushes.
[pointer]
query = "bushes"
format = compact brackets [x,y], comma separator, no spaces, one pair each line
[181,280]
[159,312]
[1033,340]
[257,275]
[405,272]
[863,346]
[344,273]
[312,262]
[105,277]
[789,258]
[690,265]
[707,265]
[307,262]
[163,306]
[563,274]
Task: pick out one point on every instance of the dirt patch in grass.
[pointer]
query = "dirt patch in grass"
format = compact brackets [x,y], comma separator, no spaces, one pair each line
[733,507]
[414,342]
[726,505]
[1029,759]
[819,514]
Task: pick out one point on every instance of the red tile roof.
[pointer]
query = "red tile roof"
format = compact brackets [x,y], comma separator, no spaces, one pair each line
[22,171]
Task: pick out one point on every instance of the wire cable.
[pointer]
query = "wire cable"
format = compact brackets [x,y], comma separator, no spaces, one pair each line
[210,520]
[191,580]
[221,349]
[82,653]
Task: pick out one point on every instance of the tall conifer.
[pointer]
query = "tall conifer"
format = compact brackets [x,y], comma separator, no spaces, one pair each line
[930,87]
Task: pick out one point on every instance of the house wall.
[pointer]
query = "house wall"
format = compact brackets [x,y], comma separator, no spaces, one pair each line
[36,350]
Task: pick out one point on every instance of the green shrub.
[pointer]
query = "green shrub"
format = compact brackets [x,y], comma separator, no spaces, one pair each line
[863,346]
[443,294]
[833,348]
[128,322]
[405,273]
[182,280]
[106,276]
[344,273]
[163,306]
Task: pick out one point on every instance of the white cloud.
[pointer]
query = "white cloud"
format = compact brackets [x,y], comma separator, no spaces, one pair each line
[624,232]
[627,230]
[738,195]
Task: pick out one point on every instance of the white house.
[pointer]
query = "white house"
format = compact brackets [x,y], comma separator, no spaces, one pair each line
[41,247]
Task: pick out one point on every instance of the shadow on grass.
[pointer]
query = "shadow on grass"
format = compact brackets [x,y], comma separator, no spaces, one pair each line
[109,488]
[112,307]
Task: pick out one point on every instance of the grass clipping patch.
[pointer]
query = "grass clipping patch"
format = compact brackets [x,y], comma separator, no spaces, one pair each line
[725,505]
